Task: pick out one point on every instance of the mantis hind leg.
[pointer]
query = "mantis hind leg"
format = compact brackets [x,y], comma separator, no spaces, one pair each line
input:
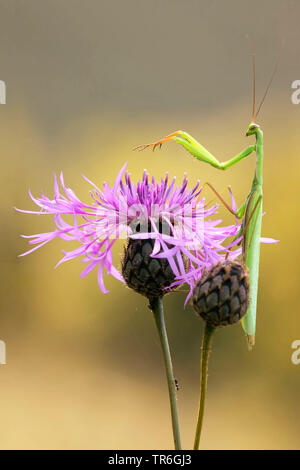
[239,213]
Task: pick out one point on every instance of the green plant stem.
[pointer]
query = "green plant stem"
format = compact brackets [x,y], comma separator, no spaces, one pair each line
[205,350]
[156,305]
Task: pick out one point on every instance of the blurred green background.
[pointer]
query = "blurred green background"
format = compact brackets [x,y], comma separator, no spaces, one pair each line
[87,81]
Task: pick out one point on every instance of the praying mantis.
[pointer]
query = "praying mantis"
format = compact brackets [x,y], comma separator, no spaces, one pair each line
[251,211]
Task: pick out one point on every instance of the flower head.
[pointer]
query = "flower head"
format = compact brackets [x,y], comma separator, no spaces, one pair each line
[176,219]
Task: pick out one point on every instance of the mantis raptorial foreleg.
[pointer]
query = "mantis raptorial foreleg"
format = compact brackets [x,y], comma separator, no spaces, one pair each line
[198,151]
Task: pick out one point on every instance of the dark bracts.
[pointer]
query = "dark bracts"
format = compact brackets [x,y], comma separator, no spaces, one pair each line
[221,297]
[146,275]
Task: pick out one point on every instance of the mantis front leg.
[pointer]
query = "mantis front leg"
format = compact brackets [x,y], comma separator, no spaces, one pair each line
[198,151]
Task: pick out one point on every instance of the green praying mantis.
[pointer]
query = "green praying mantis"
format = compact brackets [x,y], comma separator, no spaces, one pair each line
[251,211]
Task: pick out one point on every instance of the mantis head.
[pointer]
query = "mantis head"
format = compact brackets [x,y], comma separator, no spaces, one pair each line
[252,129]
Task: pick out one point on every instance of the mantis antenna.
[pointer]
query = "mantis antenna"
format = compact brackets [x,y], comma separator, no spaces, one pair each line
[269,85]
[252,52]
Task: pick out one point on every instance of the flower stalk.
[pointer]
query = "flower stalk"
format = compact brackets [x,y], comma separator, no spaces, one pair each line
[205,351]
[156,305]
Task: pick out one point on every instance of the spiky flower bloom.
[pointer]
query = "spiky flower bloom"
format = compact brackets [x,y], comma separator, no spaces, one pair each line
[171,237]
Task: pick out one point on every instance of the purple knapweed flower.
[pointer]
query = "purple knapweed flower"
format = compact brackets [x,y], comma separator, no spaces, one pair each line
[174,217]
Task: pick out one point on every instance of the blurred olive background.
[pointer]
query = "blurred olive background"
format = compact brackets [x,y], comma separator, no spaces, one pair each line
[87,81]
